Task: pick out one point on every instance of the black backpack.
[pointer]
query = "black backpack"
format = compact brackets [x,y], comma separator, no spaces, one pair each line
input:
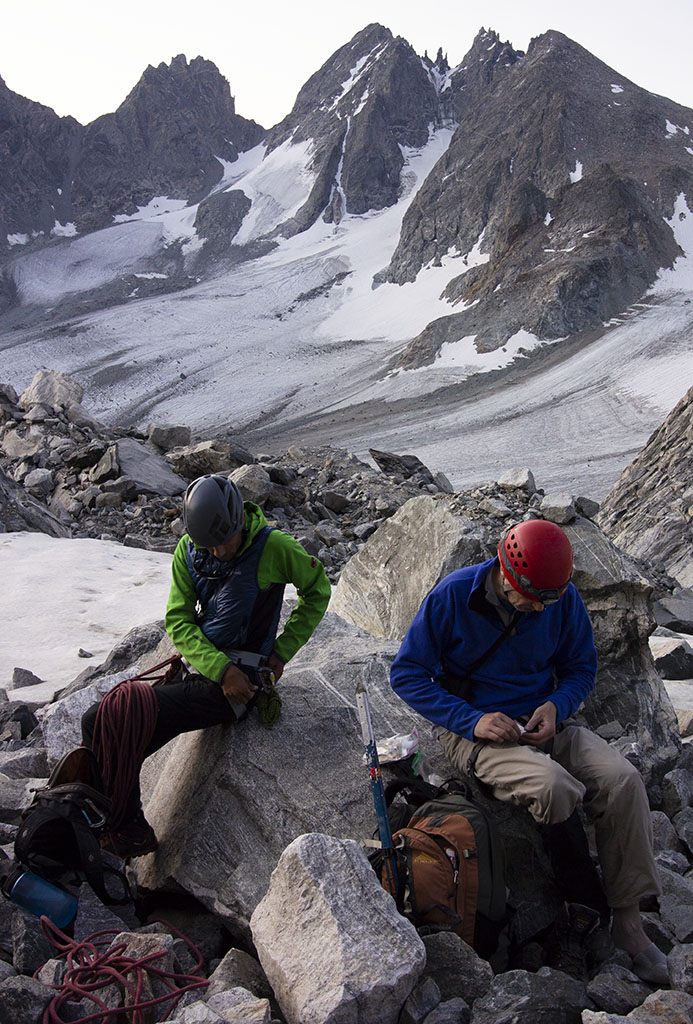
[450,865]
[59,835]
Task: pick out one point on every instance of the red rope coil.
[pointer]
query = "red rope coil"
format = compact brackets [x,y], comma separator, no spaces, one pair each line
[124,726]
[92,966]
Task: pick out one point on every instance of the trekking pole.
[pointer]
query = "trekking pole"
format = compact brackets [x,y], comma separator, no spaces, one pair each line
[373,765]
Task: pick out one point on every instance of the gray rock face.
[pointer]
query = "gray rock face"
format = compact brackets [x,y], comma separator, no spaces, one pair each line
[366,968]
[562,194]
[648,512]
[149,471]
[60,722]
[662,1007]
[381,588]
[219,217]
[19,511]
[547,997]
[455,967]
[279,782]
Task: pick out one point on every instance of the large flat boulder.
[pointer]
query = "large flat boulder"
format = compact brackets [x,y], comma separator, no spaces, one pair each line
[148,469]
[226,802]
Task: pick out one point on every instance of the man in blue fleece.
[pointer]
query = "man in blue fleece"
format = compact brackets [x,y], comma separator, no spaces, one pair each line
[499,656]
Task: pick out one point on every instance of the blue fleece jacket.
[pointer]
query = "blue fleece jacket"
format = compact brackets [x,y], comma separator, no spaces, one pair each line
[551,656]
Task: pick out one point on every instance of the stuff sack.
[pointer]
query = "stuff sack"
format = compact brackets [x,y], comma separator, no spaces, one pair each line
[450,865]
[59,835]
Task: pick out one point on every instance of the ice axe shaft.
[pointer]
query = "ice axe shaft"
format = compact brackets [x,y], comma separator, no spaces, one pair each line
[373,765]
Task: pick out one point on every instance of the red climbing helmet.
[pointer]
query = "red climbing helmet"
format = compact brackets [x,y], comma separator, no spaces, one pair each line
[537,560]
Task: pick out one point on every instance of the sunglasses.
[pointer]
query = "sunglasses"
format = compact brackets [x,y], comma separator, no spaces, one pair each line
[550,596]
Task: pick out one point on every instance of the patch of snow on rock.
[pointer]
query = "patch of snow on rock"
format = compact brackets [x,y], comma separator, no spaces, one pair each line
[277,188]
[463,353]
[64,230]
[680,276]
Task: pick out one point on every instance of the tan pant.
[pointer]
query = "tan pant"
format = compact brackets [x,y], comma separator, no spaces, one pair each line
[582,768]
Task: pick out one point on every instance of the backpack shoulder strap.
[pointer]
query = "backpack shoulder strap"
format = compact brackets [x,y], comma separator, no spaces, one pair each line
[458,686]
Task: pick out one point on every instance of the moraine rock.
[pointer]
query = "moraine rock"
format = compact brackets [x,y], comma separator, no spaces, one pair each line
[521,998]
[455,967]
[23,999]
[673,657]
[675,611]
[239,969]
[326,887]
[617,990]
[254,483]
[649,511]
[52,388]
[216,456]
[166,436]
[148,470]
[19,511]
[662,1007]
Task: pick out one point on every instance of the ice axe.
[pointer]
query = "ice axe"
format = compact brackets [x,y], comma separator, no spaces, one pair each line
[373,765]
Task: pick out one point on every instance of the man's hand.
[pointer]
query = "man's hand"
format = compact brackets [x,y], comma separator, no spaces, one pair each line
[497,727]
[236,686]
[275,665]
[541,726]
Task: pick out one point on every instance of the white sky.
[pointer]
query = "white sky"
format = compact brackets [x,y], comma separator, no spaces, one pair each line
[82,58]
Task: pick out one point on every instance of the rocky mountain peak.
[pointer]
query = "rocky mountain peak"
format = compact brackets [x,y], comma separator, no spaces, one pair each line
[488,59]
[164,139]
[560,165]
[195,84]
[440,63]
[371,97]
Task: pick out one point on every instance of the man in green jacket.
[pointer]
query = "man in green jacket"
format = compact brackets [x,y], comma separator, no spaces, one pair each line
[228,577]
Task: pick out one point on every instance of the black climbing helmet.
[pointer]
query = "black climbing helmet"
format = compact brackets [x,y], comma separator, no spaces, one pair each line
[212,510]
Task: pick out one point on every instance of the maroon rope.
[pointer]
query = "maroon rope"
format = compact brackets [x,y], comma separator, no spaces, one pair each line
[172,670]
[92,966]
[124,726]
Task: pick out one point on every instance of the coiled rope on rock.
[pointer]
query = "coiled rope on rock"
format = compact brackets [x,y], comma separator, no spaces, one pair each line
[94,964]
[123,729]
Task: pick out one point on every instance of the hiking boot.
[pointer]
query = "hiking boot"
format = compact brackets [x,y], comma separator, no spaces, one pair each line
[133,839]
[567,946]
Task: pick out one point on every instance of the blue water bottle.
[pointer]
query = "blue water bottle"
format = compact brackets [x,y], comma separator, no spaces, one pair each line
[37,896]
